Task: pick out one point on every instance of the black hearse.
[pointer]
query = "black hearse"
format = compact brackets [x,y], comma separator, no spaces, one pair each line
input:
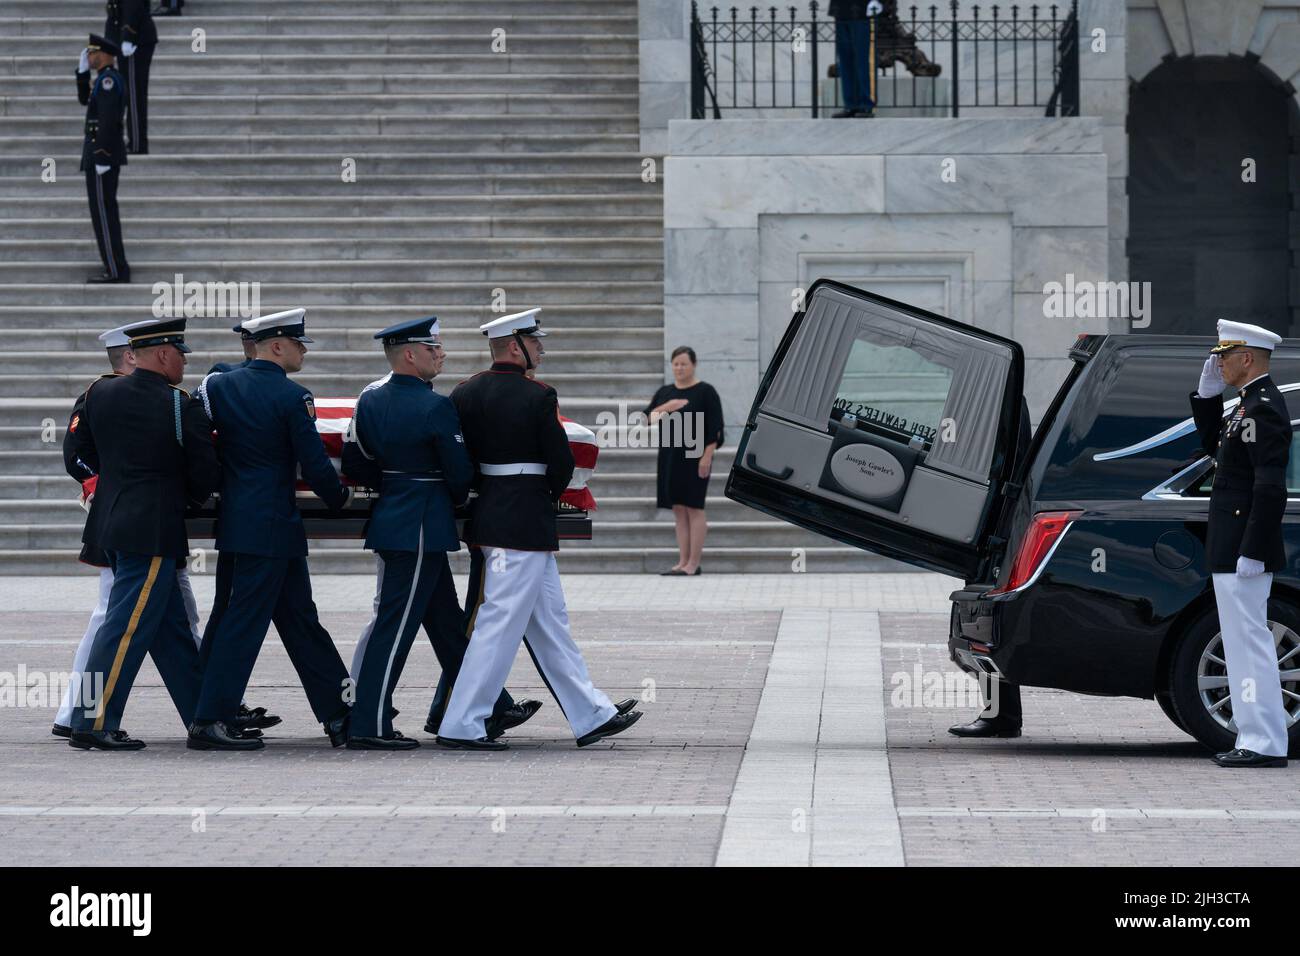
[899,431]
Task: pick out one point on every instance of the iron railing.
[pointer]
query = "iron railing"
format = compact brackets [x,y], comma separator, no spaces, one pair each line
[772,59]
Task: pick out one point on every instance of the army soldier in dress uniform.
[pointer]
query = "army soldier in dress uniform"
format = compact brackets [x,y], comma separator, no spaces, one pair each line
[266,432]
[1244,542]
[250,352]
[513,434]
[132,29]
[409,435]
[151,447]
[103,153]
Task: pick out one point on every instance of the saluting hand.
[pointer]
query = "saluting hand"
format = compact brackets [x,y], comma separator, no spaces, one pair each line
[1211,379]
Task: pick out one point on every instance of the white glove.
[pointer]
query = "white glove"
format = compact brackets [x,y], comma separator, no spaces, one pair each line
[101,170]
[83,65]
[874,8]
[128,48]
[1211,379]
[1249,567]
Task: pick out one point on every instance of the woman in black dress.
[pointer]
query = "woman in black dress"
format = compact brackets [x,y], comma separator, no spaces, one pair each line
[689,415]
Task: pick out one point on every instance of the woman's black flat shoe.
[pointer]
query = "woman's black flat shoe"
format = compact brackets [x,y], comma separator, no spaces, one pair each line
[674,573]
[695,572]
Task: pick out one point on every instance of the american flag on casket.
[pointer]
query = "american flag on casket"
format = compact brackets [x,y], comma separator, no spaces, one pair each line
[334,415]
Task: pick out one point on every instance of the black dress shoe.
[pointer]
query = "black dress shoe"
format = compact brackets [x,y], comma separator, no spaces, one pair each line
[59,730]
[1247,758]
[615,725]
[103,740]
[623,706]
[844,114]
[216,736]
[986,727]
[453,743]
[337,730]
[395,742]
[512,717]
[105,279]
[255,718]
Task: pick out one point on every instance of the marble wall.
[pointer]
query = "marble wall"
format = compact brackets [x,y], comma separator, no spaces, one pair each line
[754,210]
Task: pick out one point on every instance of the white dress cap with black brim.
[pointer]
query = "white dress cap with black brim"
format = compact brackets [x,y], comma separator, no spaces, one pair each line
[290,324]
[525,323]
[158,332]
[1237,334]
[119,337]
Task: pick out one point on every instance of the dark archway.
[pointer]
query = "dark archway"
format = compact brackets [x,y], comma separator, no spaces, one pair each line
[1211,245]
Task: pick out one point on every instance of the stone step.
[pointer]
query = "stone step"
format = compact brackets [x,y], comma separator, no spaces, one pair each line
[203,165]
[163,125]
[322,42]
[490,272]
[325,360]
[205,335]
[595,385]
[250,213]
[353,323]
[378,9]
[574,558]
[429,22]
[519,186]
[359,145]
[385,228]
[166,86]
[34,410]
[171,60]
[435,297]
[473,256]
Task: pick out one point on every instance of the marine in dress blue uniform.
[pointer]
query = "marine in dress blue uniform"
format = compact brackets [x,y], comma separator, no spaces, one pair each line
[103,152]
[266,432]
[514,436]
[129,25]
[1244,543]
[404,439]
[150,446]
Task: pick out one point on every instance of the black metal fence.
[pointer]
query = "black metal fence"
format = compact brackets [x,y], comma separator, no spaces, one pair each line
[780,59]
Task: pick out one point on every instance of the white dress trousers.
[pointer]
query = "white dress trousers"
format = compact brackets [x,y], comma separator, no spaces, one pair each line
[522,595]
[1251,653]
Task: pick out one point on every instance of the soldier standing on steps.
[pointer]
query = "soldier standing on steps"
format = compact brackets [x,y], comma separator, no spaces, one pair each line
[103,153]
[131,28]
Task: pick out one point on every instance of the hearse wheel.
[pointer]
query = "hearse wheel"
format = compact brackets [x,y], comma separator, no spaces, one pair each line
[1198,678]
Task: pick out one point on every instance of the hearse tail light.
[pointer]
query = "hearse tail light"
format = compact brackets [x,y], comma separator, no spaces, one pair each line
[1043,534]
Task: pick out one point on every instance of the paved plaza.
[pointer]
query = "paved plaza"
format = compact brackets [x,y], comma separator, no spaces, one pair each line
[785,723]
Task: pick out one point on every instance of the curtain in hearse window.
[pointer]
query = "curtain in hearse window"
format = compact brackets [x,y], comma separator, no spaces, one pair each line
[909,374]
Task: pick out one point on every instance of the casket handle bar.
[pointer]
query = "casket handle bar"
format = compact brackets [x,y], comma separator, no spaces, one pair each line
[751,462]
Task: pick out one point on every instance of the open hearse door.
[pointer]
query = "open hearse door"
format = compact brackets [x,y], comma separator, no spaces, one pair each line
[886,427]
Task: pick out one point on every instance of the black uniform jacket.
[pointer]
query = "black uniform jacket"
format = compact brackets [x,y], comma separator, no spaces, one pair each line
[151,445]
[105,102]
[130,21]
[1251,451]
[79,471]
[506,418]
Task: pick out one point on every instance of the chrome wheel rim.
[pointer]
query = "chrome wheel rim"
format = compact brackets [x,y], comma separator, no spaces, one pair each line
[1212,676]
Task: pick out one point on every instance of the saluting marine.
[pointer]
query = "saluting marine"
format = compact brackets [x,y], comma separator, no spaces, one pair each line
[103,153]
[130,26]
[514,435]
[266,431]
[1244,542]
[150,447]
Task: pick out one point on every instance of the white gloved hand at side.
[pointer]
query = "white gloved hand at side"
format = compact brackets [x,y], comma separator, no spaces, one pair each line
[83,64]
[874,8]
[101,170]
[1249,567]
[1211,379]
[128,48]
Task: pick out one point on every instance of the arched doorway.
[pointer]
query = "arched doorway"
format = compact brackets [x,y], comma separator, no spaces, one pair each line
[1211,245]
